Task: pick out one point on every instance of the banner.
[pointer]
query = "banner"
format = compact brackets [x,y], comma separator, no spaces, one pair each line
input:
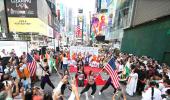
[83,51]
[21,8]
[92,52]
[24,25]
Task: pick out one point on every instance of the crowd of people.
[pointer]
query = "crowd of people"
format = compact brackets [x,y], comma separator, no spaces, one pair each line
[140,75]
[144,76]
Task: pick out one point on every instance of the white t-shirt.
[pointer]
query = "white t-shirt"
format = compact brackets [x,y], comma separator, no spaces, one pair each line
[156,95]
[161,85]
[65,60]
[164,90]
[2,54]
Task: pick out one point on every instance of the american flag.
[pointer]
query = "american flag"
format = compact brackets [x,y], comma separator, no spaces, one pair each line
[111,69]
[31,63]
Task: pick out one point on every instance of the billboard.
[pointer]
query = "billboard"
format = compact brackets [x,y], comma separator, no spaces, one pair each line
[21,8]
[99,24]
[25,25]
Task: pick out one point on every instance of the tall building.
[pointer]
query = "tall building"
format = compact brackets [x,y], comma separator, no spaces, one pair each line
[122,19]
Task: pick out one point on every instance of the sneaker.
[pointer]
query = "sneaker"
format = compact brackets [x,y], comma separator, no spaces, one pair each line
[100,93]
[92,96]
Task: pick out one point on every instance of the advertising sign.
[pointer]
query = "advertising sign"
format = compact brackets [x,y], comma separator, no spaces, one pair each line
[18,46]
[21,8]
[99,24]
[24,25]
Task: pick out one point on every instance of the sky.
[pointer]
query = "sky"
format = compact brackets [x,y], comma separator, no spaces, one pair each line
[86,5]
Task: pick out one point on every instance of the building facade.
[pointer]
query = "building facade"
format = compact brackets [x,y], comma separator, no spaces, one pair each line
[148,33]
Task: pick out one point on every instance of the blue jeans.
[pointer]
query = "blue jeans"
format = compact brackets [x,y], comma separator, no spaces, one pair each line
[64,66]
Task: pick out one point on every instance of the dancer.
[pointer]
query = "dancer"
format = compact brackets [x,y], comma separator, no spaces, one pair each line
[65,63]
[108,83]
[80,75]
[91,83]
[61,60]
[57,91]
[45,77]
[66,84]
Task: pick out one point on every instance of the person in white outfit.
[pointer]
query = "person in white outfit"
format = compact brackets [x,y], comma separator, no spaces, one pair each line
[39,70]
[152,93]
[132,82]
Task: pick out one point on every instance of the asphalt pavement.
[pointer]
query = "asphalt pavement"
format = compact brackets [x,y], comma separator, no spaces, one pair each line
[106,95]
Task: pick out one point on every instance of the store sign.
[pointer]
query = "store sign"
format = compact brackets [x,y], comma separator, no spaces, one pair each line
[25,25]
[21,8]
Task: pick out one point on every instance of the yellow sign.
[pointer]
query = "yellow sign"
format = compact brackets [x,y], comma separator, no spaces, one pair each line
[24,25]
